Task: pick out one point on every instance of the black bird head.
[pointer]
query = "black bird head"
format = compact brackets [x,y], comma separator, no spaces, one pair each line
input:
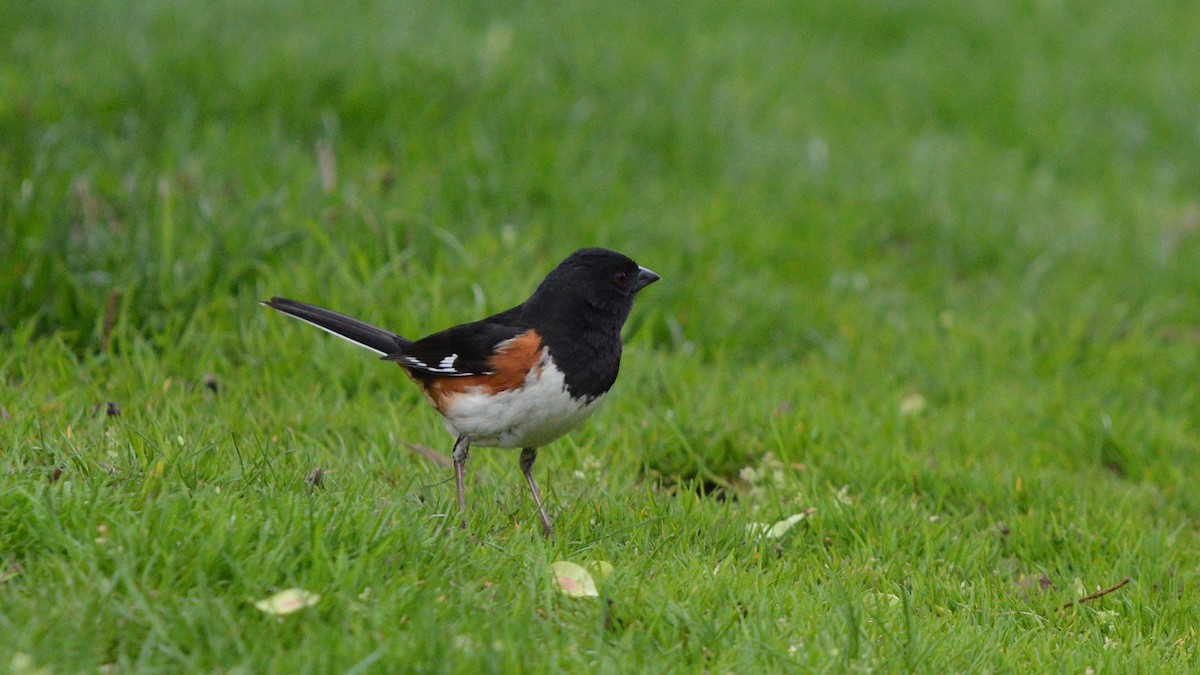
[603,281]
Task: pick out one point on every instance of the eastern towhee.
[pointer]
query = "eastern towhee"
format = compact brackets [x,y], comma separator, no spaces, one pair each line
[521,378]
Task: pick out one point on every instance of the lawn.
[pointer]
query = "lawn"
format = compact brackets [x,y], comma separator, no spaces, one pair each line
[929,279]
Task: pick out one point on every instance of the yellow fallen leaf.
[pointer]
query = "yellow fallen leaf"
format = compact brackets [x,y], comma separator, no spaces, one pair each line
[600,569]
[573,580]
[780,528]
[22,664]
[881,600]
[288,601]
[913,404]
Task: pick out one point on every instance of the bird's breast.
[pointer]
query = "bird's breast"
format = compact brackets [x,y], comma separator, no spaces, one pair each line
[539,411]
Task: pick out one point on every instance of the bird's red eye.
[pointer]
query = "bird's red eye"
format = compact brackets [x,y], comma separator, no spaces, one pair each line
[619,278]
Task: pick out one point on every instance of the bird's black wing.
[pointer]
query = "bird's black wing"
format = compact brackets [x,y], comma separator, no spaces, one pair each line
[456,352]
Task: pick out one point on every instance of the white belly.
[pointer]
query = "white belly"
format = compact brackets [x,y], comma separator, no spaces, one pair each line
[538,413]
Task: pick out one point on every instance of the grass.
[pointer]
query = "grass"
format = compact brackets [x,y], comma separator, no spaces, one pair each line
[928,270]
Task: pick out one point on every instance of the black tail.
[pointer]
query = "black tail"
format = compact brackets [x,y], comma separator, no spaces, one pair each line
[362,334]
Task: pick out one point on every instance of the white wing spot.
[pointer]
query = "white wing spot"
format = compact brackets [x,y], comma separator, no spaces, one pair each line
[444,367]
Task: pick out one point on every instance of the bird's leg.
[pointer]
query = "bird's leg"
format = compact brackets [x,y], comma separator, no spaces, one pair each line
[528,456]
[461,448]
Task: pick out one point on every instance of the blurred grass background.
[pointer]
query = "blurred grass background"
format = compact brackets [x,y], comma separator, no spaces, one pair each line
[1018,154]
[988,210]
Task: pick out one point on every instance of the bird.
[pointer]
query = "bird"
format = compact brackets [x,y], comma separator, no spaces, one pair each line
[521,378]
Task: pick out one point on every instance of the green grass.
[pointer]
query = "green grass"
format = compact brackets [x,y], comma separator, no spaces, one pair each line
[928,270]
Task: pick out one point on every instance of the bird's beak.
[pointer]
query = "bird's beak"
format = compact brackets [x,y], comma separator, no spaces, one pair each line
[644,278]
